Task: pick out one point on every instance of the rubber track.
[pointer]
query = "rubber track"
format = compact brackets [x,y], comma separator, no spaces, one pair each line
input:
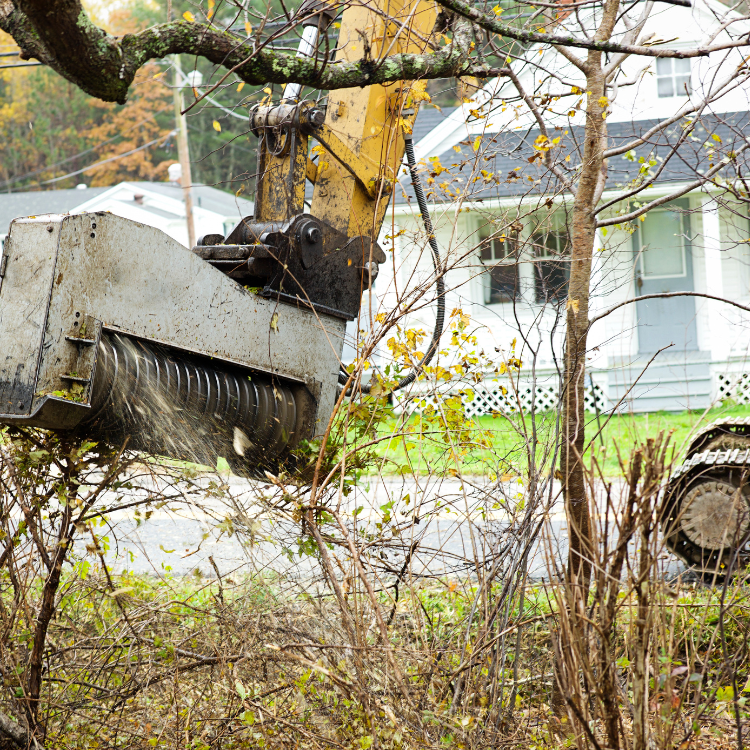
[732,426]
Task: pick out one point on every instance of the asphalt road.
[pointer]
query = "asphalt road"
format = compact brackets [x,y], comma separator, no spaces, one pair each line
[451,526]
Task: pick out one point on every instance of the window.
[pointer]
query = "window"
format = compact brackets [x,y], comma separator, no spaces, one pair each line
[662,246]
[552,266]
[672,77]
[501,280]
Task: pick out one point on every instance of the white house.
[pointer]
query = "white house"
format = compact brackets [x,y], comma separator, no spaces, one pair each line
[157,204]
[503,230]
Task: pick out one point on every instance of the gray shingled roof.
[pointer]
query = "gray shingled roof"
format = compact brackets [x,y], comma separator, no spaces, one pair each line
[509,157]
[36,202]
[33,203]
[205,196]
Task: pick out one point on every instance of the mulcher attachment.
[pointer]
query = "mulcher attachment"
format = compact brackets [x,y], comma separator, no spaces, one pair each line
[706,516]
[112,328]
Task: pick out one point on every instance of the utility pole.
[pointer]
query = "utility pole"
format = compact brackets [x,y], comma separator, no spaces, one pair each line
[183,150]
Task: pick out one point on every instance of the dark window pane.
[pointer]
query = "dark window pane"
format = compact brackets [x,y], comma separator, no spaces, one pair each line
[486,250]
[503,286]
[500,249]
[552,242]
[551,280]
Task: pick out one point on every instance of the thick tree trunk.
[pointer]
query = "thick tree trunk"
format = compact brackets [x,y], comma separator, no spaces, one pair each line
[573,434]
[583,233]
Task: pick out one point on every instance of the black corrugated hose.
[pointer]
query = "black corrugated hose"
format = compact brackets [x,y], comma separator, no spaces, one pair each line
[437,331]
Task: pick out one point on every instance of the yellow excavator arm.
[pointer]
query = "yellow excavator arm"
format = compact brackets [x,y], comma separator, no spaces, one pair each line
[326,257]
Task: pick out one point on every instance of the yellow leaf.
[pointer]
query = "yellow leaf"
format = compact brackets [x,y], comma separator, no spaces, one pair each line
[217,126]
[188,16]
[477,143]
[603,101]
[241,86]
[267,91]
[211,4]
[716,138]
[418,92]
[573,305]
[457,149]
[248,28]
[376,389]
[275,322]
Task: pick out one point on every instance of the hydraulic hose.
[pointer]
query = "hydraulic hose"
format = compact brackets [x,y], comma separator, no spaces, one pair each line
[437,331]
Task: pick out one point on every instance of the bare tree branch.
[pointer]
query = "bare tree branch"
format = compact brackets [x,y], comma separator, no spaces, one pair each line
[491,23]
[667,295]
[684,190]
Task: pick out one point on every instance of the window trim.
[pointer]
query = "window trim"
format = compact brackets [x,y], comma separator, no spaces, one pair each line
[510,260]
[542,253]
[672,76]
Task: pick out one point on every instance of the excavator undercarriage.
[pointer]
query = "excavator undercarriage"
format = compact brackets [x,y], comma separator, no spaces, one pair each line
[706,518]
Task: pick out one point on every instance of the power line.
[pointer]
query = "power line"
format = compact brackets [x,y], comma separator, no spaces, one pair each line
[21,65]
[47,168]
[163,139]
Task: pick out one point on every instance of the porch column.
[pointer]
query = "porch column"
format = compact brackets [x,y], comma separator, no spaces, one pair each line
[718,340]
[597,335]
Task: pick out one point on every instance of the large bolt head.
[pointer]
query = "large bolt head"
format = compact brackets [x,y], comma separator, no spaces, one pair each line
[371,268]
[316,117]
[313,235]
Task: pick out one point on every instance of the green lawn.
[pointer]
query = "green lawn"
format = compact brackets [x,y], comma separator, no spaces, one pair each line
[495,445]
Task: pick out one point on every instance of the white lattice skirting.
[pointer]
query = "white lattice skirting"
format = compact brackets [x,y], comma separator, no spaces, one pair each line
[734,385]
[492,397]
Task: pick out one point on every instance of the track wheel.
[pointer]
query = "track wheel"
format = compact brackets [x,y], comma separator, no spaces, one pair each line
[711,525]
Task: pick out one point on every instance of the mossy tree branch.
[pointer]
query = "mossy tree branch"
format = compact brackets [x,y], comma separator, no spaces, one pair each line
[59,34]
